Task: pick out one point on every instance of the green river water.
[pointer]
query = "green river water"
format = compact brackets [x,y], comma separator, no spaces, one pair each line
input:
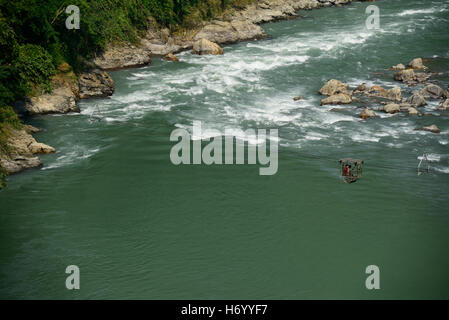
[111,202]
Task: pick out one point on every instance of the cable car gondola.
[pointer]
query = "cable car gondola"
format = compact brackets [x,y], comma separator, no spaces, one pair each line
[351,169]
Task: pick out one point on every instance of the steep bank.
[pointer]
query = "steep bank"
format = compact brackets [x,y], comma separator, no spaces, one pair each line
[232,26]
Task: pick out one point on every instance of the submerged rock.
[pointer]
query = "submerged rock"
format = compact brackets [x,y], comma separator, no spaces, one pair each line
[367,113]
[444,105]
[297,98]
[340,98]
[204,46]
[171,57]
[333,87]
[433,128]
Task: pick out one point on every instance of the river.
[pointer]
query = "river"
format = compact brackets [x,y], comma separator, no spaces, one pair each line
[111,202]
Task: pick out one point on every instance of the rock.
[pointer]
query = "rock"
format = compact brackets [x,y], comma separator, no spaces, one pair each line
[412,111]
[171,57]
[367,113]
[61,100]
[376,88]
[21,149]
[360,88]
[37,147]
[297,98]
[416,64]
[406,76]
[333,87]
[340,98]
[96,83]
[422,77]
[230,32]
[391,108]
[433,91]
[444,105]
[398,67]
[119,57]
[394,94]
[416,99]
[433,128]
[204,46]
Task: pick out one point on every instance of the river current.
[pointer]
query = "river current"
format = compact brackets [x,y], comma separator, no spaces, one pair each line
[111,202]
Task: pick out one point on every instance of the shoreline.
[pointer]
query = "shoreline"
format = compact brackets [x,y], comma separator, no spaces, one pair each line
[230,28]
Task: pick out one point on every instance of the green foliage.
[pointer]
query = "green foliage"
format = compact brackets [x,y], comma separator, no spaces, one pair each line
[35,65]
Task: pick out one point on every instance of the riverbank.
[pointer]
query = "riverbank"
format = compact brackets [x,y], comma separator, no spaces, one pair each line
[232,26]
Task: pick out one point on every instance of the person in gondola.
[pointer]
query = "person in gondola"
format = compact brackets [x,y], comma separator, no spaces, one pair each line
[346,170]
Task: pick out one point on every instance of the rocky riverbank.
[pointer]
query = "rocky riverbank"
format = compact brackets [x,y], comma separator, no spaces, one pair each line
[232,27]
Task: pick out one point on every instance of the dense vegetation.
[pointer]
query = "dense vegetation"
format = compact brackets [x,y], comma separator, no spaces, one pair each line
[34,39]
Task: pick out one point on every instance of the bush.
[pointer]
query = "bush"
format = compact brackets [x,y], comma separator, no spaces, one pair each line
[35,65]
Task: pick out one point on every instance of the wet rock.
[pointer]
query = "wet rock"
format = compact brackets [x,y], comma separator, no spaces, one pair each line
[422,77]
[297,98]
[407,76]
[416,99]
[96,83]
[376,88]
[398,67]
[433,128]
[340,98]
[367,113]
[230,32]
[204,46]
[119,57]
[394,94]
[22,148]
[416,64]
[171,57]
[333,87]
[433,91]
[444,105]
[60,100]
[391,108]
[360,88]
[412,111]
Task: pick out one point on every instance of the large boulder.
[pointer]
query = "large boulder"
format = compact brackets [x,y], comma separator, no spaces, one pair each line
[230,32]
[391,108]
[367,113]
[60,100]
[416,64]
[433,91]
[96,83]
[340,98]
[122,56]
[406,76]
[394,94]
[416,99]
[333,87]
[204,46]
